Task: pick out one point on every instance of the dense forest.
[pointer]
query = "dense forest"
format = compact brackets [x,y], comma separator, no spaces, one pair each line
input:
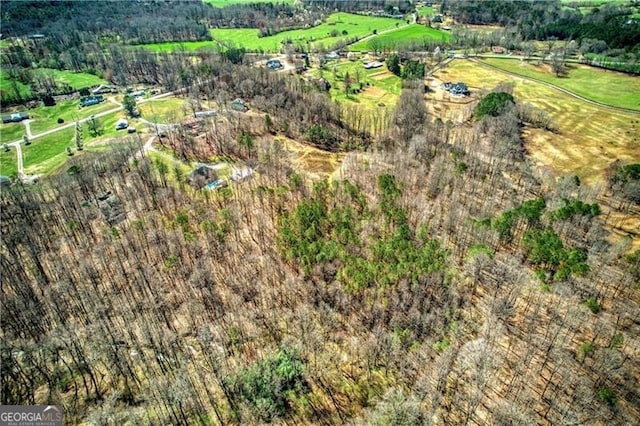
[535,20]
[435,279]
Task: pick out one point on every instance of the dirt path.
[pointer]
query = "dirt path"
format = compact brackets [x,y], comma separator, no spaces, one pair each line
[553,86]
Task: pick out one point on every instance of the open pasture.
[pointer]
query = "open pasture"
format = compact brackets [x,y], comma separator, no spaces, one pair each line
[607,87]
[590,137]
[338,27]
[392,40]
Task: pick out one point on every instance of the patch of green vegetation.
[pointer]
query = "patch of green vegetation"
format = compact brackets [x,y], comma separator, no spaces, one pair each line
[183,46]
[8,87]
[607,396]
[47,153]
[425,11]
[530,210]
[165,110]
[394,40]
[607,87]
[593,305]
[317,232]
[585,350]
[369,86]
[575,208]
[11,132]
[270,386]
[546,251]
[8,164]
[77,80]
[493,104]
[339,27]
[45,118]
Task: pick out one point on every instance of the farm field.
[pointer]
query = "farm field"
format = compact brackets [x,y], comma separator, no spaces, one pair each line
[355,26]
[607,87]
[77,80]
[581,146]
[393,39]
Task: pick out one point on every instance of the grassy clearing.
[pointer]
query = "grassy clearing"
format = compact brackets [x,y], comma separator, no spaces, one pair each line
[589,138]
[167,110]
[223,3]
[8,162]
[45,118]
[181,46]
[608,87]
[354,26]
[77,80]
[48,153]
[425,11]
[9,85]
[379,84]
[402,36]
[10,132]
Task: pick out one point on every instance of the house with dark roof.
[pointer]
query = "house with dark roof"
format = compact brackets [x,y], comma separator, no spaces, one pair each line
[274,64]
[460,89]
[201,176]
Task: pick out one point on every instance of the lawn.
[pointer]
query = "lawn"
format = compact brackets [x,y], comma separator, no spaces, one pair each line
[425,11]
[182,46]
[11,132]
[223,3]
[8,165]
[166,110]
[45,118]
[607,87]
[393,39]
[347,26]
[77,80]
[590,138]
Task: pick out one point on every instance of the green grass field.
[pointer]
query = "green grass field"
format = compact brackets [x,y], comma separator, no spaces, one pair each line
[223,3]
[77,80]
[608,87]
[166,110]
[354,25]
[7,90]
[182,46]
[393,39]
[8,164]
[425,11]
[45,118]
[10,132]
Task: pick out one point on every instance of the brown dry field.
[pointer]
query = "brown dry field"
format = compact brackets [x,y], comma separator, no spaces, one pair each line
[313,162]
[589,139]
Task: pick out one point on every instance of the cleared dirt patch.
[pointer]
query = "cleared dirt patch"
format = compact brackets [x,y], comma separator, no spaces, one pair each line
[314,162]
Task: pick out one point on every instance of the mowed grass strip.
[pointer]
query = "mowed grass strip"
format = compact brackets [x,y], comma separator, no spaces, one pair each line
[8,162]
[11,132]
[607,87]
[402,36]
[590,138]
[180,46]
[354,25]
